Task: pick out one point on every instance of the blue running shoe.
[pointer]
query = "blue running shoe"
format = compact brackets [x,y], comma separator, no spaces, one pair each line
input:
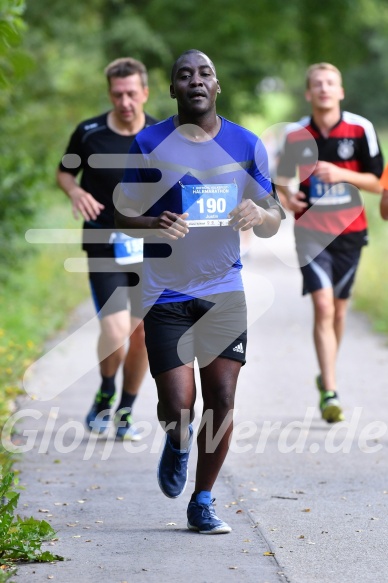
[172,468]
[97,420]
[123,426]
[203,519]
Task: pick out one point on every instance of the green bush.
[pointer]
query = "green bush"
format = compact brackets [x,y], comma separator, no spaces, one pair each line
[20,538]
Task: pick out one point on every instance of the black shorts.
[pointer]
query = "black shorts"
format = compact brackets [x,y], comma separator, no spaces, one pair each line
[177,333]
[107,277]
[328,268]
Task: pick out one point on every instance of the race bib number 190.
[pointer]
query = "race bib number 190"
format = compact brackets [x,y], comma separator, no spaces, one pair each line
[208,205]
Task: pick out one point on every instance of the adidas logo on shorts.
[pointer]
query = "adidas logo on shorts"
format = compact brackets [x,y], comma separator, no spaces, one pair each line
[239,348]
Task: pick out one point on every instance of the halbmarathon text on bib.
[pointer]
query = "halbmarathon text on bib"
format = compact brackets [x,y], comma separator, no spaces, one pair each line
[208,205]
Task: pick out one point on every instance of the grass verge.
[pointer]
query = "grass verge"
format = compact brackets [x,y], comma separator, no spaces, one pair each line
[370,294]
[34,304]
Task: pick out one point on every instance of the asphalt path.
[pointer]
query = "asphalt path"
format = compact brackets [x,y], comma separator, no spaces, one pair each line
[307,501]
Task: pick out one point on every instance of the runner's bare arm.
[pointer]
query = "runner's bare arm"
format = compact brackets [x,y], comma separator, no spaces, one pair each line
[247,215]
[82,202]
[328,172]
[167,225]
[384,205]
[291,200]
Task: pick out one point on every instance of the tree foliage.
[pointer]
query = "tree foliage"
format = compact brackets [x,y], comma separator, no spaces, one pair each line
[13,61]
[268,38]
[16,176]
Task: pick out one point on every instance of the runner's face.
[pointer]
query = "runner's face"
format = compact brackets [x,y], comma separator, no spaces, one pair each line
[195,85]
[325,91]
[128,96]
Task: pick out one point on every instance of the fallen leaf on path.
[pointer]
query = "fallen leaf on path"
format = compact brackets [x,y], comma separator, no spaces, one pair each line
[268,554]
[306,510]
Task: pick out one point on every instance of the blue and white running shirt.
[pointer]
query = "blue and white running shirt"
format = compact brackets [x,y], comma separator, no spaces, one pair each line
[167,171]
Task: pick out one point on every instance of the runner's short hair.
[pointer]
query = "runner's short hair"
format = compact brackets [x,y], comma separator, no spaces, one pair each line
[124,67]
[323,67]
[189,52]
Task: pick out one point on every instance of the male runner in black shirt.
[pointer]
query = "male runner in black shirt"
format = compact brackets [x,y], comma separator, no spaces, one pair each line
[114,263]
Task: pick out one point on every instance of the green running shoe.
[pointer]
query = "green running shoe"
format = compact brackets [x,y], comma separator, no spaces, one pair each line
[329,404]
[123,426]
[97,420]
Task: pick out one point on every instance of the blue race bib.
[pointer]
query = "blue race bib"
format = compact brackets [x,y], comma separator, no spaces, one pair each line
[328,193]
[208,205]
[126,249]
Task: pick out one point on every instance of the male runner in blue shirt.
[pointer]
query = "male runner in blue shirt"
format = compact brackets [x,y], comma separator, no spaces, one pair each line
[199,180]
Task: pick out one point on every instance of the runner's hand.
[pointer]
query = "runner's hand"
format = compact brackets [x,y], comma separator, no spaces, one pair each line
[297,202]
[85,204]
[171,225]
[328,172]
[246,215]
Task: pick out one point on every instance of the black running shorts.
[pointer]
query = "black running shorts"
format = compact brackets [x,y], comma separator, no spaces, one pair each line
[205,328]
[328,268]
[113,285]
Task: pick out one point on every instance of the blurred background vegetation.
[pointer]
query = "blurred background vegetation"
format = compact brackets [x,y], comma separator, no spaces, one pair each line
[52,56]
